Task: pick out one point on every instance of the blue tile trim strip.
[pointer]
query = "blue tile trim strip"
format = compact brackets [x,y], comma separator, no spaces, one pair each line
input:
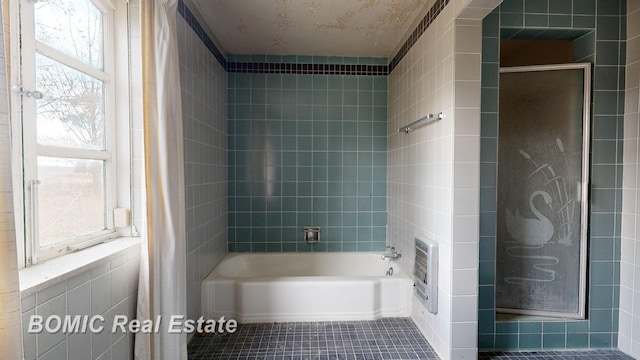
[316,69]
[556,355]
[199,30]
[428,19]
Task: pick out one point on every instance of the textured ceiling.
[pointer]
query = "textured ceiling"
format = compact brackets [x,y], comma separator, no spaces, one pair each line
[311,27]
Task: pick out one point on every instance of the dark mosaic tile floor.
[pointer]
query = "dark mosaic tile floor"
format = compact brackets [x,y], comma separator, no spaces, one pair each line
[389,338]
[556,355]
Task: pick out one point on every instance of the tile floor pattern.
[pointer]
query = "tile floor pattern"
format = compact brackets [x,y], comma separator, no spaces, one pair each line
[388,338]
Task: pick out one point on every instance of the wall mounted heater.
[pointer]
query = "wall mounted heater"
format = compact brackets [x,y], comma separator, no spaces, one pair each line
[425,270]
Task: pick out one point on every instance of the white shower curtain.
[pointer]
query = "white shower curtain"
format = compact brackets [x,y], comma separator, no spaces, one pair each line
[162,290]
[10,316]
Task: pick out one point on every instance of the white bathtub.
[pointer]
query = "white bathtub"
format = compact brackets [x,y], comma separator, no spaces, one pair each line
[275,287]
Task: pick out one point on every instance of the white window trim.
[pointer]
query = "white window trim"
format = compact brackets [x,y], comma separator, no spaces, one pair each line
[41,276]
[117,105]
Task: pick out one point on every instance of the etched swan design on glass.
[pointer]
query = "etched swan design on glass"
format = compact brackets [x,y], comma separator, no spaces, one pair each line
[531,232]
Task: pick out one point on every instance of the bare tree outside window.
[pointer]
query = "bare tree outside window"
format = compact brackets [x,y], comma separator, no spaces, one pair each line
[72,112]
[71,115]
[74,27]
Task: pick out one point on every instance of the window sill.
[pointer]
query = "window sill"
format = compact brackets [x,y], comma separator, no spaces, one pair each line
[40,276]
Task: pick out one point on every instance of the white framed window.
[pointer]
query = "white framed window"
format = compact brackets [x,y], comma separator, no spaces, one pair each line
[64,103]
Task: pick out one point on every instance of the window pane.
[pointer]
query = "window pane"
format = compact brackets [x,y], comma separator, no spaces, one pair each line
[71,198]
[71,26]
[72,111]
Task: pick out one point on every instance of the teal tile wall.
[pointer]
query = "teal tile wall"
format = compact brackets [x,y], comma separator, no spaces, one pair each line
[306,150]
[598,27]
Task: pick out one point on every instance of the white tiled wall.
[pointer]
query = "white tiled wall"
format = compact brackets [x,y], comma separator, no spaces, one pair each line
[108,289]
[466,187]
[420,164]
[629,321]
[433,172]
[204,97]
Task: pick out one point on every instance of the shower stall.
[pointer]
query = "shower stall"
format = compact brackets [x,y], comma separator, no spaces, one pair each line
[543,172]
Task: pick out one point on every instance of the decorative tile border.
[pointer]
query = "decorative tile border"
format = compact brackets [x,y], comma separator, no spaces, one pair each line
[316,69]
[202,34]
[428,19]
[307,59]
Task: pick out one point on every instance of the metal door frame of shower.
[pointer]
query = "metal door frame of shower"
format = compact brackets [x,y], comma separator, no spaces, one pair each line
[584,191]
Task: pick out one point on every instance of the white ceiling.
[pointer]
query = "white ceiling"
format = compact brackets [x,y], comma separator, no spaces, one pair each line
[311,27]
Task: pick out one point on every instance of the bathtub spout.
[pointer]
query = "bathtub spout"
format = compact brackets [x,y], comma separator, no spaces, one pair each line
[394,255]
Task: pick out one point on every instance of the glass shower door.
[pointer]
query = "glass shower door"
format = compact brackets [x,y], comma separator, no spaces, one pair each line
[541,215]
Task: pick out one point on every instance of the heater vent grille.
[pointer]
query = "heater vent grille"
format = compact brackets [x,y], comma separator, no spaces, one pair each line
[425,271]
[420,269]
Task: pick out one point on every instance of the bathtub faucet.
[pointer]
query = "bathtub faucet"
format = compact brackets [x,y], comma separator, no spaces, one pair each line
[394,254]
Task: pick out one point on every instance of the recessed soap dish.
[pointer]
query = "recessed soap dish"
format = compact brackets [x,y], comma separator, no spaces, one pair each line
[311,234]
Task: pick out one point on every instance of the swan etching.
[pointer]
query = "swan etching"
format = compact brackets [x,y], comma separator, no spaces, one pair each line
[531,232]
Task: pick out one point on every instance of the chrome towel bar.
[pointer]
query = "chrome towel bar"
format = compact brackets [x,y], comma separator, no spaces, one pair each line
[424,120]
